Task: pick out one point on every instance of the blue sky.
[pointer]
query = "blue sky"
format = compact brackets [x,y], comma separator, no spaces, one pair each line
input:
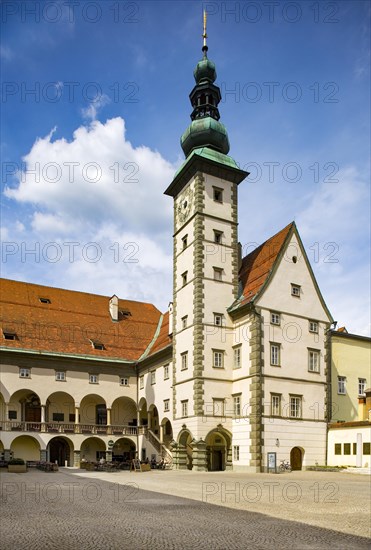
[102,127]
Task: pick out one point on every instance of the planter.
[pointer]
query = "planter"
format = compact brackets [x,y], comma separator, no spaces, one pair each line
[17,468]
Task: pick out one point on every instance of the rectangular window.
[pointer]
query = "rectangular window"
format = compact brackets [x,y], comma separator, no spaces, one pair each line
[275,355]
[218,274]
[361,386]
[218,357]
[93,379]
[58,417]
[153,377]
[184,408]
[275,404]
[338,448]
[218,407]
[218,319]
[141,382]
[24,373]
[124,381]
[218,236]
[60,376]
[295,406]
[295,290]
[237,405]
[166,405]
[366,448]
[184,278]
[347,448]
[237,357]
[166,372]
[354,448]
[185,241]
[275,318]
[184,357]
[236,452]
[313,360]
[218,194]
[313,326]
[341,385]
[184,321]
[12,415]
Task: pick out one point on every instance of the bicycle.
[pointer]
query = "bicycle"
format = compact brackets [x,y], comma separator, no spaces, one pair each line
[285,466]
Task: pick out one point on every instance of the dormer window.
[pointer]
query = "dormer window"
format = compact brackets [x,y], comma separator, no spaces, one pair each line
[9,335]
[45,300]
[97,345]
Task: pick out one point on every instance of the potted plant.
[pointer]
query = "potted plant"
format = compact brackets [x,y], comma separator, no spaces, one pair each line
[17,466]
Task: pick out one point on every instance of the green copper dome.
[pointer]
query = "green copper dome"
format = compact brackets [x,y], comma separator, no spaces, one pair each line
[205,71]
[205,132]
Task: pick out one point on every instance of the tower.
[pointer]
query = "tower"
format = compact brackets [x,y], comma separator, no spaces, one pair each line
[205,270]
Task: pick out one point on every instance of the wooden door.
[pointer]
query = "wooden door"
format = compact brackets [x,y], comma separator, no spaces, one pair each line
[296,458]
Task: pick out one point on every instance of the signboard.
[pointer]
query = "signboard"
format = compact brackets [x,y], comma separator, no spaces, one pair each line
[272,461]
[111,443]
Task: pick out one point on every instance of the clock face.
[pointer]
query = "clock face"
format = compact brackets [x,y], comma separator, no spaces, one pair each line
[185,206]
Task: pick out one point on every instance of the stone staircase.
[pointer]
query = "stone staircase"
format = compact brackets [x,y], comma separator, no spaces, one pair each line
[160,448]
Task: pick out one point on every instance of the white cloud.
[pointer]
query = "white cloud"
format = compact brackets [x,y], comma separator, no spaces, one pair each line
[90,112]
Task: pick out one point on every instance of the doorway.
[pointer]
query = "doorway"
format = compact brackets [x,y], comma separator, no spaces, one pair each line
[296,458]
[59,451]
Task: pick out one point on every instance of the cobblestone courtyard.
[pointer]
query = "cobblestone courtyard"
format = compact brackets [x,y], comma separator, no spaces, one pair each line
[184,510]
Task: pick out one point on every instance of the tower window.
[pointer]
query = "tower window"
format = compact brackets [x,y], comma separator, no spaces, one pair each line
[166,405]
[185,241]
[218,359]
[184,278]
[184,357]
[184,321]
[275,355]
[218,319]
[184,408]
[218,236]
[153,377]
[218,194]
[218,274]
[275,318]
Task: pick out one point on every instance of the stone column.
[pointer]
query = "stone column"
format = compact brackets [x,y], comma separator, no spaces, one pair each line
[77,414]
[161,433]
[43,455]
[76,459]
[199,456]
[7,455]
[109,456]
[359,451]
[149,420]
[229,459]
[108,417]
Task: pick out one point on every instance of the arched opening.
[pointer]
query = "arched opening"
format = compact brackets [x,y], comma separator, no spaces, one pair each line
[2,409]
[153,420]
[218,447]
[60,409]
[123,413]
[185,449]
[25,447]
[296,458]
[123,450]
[93,411]
[60,450]
[93,449]
[143,413]
[166,431]
[25,406]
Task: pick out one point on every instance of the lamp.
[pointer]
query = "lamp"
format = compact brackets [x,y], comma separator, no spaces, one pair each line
[277,442]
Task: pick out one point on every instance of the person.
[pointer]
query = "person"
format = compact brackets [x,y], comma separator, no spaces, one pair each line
[146,461]
[102,460]
[161,464]
[83,458]
[153,462]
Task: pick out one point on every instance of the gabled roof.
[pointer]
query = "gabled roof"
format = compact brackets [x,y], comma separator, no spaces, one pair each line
[257,266]
[72,321]
[162,339]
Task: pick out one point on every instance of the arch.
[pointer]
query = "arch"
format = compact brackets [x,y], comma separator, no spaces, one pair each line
[93,449]
[185,439]
[124,412]
[218,447]
[167,431]
[26,447]
[26,405]
[2,409]
[60,450]
[296,458]
[1,447]
[123,450]
[153,419]
[60,406]
[93,409]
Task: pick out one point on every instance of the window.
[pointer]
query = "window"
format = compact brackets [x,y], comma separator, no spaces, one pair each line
[93,379]
[313,360]
[124,381]
[295,290]
[347,448]
[338,448]
[166,405]
[237,357]
[218,194]
[153,377]
[184,408]
[97,345]
[275,318]
[218,236]
[184,359]
[218,319]
[295,406]
[366,448]
[218,407]
[236,452]
[9,335]
[218,274]
[237,405]
[58,417]
[166,372]
[218,359]
[361,386]
[184,321]
[184,278]
[275,355]
[354,448]
[341,385]
[313,326]
[45,300]
[12,415]
[185,241]
[141,382]
[275,404]
[60,376]
[24,373]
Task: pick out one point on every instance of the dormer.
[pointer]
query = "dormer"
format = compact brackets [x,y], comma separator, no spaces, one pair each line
[114,308]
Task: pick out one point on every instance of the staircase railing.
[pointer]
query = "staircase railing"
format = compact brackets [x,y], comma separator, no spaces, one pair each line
[161,448]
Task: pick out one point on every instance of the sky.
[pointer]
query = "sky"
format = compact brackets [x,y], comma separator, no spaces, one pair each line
[94,99]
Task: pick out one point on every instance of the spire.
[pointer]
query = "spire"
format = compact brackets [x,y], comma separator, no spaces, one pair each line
[205,129]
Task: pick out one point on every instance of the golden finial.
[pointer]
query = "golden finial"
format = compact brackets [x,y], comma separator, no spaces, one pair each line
[204,33]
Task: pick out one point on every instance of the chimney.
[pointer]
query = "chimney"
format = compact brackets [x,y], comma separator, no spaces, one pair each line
[114,308]
[170,309]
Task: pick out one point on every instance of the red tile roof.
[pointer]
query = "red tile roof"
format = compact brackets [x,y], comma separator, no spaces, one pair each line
[163,339]
[71,320]
[257,266]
